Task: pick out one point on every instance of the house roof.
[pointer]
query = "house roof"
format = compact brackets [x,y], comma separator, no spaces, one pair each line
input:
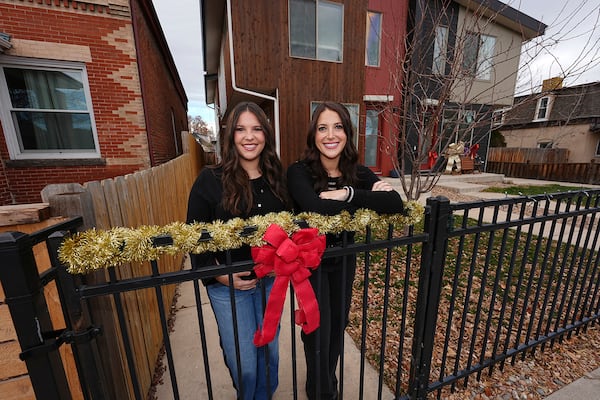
[506,16]
[569,104]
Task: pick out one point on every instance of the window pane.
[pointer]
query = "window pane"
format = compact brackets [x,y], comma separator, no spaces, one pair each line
[470,50]
[543,108]
[486,57]
[372,132]
[303,28]
[440,47]
[449,129]
[53,90]
[53,131]
[330,31]
[373,38]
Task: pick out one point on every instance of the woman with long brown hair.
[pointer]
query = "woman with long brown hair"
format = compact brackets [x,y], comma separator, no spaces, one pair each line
[248,181]
[328,180]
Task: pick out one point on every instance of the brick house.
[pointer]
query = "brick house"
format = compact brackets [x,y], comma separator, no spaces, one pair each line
[556,117]
[88,91]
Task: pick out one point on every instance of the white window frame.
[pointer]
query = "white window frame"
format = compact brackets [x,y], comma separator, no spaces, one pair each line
[547,108]
[597,154]
[498,117]
[545,144]
[353,110]
[10,132]
[377,35]
[440,50]
[317,57]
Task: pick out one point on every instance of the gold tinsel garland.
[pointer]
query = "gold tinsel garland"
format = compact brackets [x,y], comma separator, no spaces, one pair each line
[95,249]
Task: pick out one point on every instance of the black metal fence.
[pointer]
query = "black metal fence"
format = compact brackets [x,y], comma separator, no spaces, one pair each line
[476,286]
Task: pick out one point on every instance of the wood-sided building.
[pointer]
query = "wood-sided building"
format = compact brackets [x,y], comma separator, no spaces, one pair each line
[287,56]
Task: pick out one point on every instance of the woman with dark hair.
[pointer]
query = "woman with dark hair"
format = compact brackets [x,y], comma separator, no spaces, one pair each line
[248,181]
[328,180]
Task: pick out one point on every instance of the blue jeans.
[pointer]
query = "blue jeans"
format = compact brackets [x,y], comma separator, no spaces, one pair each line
[249,314]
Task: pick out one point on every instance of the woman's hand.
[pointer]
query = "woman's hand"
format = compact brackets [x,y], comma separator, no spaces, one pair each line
[238,282]
[382,186]
[340,195]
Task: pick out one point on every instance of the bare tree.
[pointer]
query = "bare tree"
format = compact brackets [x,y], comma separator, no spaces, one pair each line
[457,66]
[199,126]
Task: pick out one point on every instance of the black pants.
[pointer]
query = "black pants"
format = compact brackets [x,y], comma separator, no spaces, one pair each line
[332,284]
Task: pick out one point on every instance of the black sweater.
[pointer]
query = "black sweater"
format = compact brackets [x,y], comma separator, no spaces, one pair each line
[204,205]
[301,188]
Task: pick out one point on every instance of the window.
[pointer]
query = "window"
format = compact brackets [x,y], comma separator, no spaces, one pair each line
[373,39]
[371,138]
[440,48]
[46,110]
[542,110]
[316,29]
[353,109]
[597,149]
[544,145]
[497,118]
[478,55]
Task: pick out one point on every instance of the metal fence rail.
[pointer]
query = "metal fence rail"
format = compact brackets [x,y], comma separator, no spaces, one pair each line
[518,275]
[474,287]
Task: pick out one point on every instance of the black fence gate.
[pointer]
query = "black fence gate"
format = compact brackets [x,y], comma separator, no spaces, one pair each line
[476,286]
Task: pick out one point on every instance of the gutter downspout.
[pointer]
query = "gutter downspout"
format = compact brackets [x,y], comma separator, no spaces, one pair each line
[257,94]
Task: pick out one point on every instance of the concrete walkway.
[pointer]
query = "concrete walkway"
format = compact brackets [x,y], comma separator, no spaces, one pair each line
[189,365]
[584,388]
[187,351]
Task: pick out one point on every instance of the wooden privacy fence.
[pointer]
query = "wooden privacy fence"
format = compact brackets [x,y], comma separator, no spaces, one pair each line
[152,197]
[157,196]
[527,155]
[565,172]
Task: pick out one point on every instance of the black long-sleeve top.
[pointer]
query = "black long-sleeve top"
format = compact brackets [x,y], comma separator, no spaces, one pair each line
[205,205]
[306,198]
[301,188]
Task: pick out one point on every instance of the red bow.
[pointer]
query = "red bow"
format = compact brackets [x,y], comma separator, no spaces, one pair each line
[290,258]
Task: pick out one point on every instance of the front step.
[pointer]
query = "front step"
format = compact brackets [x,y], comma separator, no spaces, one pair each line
[462,187]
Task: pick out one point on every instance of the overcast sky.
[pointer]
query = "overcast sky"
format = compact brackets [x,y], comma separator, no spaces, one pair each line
[572,39]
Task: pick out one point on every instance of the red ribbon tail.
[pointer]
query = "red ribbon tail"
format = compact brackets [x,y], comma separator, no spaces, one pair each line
[308,316]
[273,312]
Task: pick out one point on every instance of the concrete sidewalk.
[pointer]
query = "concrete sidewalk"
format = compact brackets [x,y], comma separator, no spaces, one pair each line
[584,388]
[189,365]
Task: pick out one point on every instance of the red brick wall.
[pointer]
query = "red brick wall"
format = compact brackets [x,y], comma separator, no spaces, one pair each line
[116,93]
[5,197]
[163,94]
